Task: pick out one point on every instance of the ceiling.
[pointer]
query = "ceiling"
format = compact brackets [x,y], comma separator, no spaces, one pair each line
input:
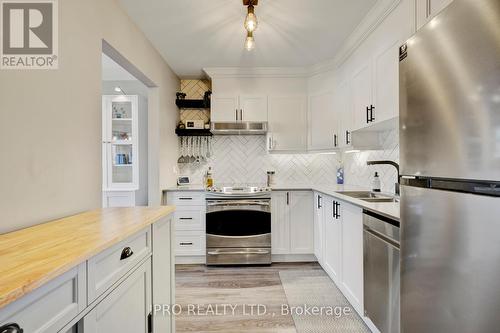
[194,34]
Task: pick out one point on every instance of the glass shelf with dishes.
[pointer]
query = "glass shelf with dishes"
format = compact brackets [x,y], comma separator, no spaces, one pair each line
[120,148]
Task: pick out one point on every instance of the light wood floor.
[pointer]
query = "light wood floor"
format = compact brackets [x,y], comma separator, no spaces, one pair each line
[212,287]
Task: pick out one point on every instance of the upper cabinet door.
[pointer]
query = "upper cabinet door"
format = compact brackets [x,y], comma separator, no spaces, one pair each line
[343,105]
[253,108]
[386,84]
[287,123]
[224,108]
[361,95]
[322,123]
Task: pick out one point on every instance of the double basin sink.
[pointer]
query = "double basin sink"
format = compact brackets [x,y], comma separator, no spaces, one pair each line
[370,196]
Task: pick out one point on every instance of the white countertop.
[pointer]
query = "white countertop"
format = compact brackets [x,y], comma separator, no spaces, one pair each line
[388,209]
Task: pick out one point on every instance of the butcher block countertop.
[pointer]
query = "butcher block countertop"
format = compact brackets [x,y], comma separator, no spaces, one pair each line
[33,256]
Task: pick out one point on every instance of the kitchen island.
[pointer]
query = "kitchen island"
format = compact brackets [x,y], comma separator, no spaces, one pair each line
[70,272]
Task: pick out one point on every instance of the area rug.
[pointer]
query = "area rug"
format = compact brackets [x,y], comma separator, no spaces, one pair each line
[317,305]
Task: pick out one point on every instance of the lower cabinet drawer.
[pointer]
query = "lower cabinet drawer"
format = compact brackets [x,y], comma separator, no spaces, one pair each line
[186,198]
[190,218]
[110,265]
[189,243]
[50,307]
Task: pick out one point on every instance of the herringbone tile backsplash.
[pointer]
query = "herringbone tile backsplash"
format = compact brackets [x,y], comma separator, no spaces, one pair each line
[243,160]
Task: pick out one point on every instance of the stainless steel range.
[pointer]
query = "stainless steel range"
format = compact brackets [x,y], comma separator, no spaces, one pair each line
[238,225]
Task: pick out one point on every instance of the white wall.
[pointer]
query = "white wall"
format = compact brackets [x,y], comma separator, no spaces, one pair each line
[50,120]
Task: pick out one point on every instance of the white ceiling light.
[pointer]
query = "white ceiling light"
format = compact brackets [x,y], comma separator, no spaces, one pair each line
[250,23]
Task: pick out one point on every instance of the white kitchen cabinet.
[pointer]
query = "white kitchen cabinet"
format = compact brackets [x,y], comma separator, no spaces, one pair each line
[127,308]
[375,88]
[280,223]
[301,223]
[322,122]
[426,9]
[287,123]
[224,108]
[352,253]
[253,108]
[362,95]
[386,83]
[292,222]
[163,274]
[189,218]
[48,308]
[332,222]
[238,108]
[343,105]
[318,226]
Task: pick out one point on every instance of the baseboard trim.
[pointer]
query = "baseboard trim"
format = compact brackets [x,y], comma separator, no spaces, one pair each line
[293,258]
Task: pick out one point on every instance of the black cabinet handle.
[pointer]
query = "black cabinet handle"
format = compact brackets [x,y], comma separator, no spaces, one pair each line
[334,209]
[347,141]
[11,328]
[372,118]
[367,114]
[126,252]
[337,206]
[319,201]
[335,143]
[185,218]
[287,198]
[185,198]
[185,243]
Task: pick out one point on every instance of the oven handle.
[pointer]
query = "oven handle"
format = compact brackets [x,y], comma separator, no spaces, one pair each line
[380,236]
[216,253]
[237,237]
[238,203]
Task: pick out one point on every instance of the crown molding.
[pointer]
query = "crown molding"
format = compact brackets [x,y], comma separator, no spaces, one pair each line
[252,72]
[370,22]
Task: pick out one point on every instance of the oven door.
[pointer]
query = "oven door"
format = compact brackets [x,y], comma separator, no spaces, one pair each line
[241,223]
[238,231]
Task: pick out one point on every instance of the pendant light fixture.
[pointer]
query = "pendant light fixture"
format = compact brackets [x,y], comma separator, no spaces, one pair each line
[250,41]
[250,23]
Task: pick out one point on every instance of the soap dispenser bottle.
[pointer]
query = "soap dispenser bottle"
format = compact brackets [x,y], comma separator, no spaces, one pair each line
[376,183]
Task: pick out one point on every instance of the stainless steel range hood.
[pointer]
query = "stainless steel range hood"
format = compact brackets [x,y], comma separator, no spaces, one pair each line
[238,128]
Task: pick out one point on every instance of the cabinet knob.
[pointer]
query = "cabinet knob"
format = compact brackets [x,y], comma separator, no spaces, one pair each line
[126,252]
[11,328]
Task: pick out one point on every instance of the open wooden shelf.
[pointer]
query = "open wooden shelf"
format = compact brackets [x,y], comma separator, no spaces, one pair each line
[193,132]
[192,103]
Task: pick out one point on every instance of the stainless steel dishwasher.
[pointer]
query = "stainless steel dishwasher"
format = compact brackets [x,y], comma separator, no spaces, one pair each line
[381,271]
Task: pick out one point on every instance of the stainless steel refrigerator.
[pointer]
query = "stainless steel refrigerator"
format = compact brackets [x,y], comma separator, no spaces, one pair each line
[450,167]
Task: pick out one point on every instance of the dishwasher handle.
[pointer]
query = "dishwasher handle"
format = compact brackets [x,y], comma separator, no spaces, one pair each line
[382,237]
